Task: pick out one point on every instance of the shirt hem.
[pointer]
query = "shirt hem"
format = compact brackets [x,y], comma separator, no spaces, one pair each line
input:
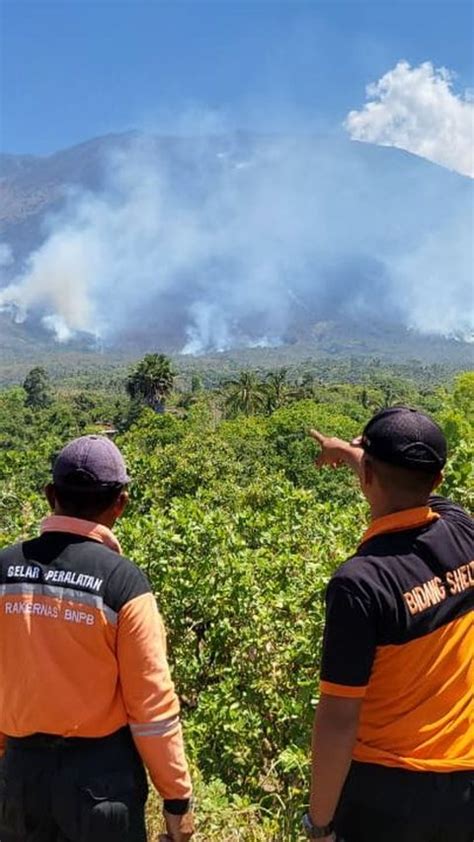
[415,764]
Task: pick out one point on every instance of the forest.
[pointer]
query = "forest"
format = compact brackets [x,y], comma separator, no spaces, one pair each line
[238,534]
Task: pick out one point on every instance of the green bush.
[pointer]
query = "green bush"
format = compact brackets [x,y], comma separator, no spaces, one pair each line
[238,534]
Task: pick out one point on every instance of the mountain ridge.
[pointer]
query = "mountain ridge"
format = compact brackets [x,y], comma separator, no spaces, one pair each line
[33,188]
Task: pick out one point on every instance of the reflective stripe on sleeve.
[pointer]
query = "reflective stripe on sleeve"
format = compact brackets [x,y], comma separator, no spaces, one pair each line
[155,729]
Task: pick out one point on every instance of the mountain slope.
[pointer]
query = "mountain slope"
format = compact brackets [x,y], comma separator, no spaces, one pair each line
[283,234]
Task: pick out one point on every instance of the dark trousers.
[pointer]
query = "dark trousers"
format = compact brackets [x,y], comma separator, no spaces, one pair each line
[380,804]
[74,790]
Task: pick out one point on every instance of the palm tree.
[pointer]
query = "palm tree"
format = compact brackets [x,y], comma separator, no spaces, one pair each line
[276,388]
[245,394]
[151,381]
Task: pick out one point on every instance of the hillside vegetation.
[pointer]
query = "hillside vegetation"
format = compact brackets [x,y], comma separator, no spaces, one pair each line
[239,535]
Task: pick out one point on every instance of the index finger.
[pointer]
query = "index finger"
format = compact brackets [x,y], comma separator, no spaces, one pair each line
[315,434]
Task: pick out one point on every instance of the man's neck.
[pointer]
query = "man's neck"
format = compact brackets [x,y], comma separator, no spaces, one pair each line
[384,508]
[102,520]
[82,527]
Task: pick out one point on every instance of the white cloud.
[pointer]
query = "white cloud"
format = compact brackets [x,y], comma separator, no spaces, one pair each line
[415,108]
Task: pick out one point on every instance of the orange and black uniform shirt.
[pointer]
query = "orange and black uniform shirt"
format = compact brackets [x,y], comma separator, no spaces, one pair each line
[400,635]
[83,648]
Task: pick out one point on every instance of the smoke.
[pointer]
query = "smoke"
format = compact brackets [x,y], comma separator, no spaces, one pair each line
[206,244]
[56,279]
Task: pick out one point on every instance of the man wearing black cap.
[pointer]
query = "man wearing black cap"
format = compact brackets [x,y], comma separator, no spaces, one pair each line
[86,697]
[393,739]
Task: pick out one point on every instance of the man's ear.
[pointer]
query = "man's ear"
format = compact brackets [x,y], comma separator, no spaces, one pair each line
[367,471]
[121,504]
[50,495]
[439,479]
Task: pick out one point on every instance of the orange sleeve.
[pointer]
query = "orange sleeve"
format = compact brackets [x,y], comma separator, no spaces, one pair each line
[150,698]
[345,690]
[3,741]
[165,760]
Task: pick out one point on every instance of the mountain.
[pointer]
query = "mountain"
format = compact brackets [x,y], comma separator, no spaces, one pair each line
[33,187]
[331,281]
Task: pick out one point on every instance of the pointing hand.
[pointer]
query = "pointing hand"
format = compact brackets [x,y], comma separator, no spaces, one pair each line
[332,449]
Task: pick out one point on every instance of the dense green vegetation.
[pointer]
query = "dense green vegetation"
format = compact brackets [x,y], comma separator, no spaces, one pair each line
[239,535]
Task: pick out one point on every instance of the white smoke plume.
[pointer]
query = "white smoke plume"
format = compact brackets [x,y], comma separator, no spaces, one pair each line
[415,108]
[238,240]
[57,280]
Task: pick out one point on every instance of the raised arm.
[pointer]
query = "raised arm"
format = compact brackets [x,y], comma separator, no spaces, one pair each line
[336,452]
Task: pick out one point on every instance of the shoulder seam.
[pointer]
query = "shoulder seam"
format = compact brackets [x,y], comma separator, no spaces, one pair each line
[361,597]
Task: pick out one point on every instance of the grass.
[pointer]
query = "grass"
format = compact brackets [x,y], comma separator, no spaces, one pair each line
[221,825]
[217,820]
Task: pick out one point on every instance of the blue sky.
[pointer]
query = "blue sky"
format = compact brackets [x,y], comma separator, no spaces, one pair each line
[73,70]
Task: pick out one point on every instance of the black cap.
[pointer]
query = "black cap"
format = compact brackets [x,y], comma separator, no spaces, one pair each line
[92,461]
[405,437]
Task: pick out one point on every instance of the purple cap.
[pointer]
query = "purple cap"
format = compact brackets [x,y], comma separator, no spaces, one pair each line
[90,461]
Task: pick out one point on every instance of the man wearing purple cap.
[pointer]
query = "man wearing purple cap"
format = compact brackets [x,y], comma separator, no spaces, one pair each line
[393,740]
[86,697]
